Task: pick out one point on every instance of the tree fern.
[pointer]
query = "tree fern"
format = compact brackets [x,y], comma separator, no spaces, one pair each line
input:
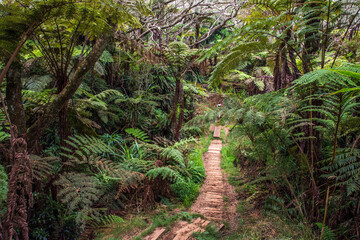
[169,153]
[322,77]
[139,165]
[37,98]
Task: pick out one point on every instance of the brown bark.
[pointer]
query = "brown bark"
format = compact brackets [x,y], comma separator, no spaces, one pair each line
[181,114]
[38,128]
[277,72]
[282,74]
[64,113]
[174,108]
[19,196]
[197,35]
[14,97]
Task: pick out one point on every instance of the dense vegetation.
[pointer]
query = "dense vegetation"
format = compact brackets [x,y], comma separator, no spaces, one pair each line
[101,113]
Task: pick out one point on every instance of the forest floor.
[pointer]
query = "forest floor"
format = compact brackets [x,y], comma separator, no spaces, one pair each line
[216,202]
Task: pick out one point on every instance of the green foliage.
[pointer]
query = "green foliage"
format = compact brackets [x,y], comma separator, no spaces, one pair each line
[37,83]
[165,173]
[173,153]
[271,128]
[346,171]
[228,160]
[43,166]
[85,146]
[138,134]
[234,58]
[328,233]
[46,223]
[210,233]
[108,220]
[4,130]
[3,184]
[186,191]
[79,191]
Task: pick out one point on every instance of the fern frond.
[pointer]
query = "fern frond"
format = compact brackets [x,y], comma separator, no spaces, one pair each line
[184,143]
[346,169]
[173,154]
[37,83]
[78,190]
[232,60]
[43,166]
[85,146]
[108,220]
[165,173]
[328,233]
[138,134]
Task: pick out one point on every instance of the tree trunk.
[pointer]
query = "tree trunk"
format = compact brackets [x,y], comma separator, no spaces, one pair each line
[277,72]
[14,98]
[180,121]
[19,196]
[63,113]
[174,108]
[282,73]
[197,35]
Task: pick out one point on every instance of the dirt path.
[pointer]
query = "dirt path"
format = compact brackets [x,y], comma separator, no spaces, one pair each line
[216,200]
[210,201]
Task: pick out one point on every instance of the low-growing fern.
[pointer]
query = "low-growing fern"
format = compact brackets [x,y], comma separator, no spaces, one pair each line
[138,134]
[43,166]
[78,190]
[165,173]
[346,170]
[85,146]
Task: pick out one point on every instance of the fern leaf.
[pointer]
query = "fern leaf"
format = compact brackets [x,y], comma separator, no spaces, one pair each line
[165,173]
[138,134]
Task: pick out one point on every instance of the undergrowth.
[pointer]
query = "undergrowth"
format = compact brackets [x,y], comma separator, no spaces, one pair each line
[254,222]
[188,190]
[184,191]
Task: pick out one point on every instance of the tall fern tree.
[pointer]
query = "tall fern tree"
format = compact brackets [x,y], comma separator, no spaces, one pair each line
[111,17]
[179,57]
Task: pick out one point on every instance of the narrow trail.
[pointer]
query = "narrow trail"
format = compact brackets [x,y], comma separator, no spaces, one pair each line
[211,200]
